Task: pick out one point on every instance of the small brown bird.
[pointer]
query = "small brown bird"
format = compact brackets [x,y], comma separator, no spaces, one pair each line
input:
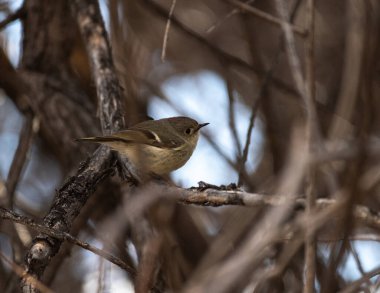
[157,146]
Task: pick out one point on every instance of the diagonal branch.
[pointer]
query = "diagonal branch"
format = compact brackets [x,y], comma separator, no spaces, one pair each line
[12,17]
[108,87]
[20,156]
[74,193]
[266,16]
[16,218]
[163,13]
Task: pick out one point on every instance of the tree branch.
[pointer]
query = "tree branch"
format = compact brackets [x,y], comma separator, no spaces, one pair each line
[16,218]
[266,16]
[217,198]
[11,17]
[108,87]
[160,11]
[19,158]
[74,193]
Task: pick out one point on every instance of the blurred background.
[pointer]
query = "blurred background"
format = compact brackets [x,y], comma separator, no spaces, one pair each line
[224,63]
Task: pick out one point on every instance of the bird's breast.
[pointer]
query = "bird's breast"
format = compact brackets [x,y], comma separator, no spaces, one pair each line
[157,160]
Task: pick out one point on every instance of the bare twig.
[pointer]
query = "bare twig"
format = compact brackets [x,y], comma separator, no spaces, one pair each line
[213,48]
[222,277]
[312,128]
[16,218]
[307,92]
[101,273]
[20,155]
[14,86]
[351,70]
[265,82]
[212,197]
[30,280]
[74,193]
[11,17]
[231,116]
[227,16]
[266,16]
[293,59]
[148,264]
[167,28]
[358,12]
[356,258]
[354,286]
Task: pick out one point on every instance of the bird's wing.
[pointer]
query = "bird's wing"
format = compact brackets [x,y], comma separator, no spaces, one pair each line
[137,136]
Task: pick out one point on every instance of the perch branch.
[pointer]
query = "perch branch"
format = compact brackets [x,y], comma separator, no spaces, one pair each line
[216,198]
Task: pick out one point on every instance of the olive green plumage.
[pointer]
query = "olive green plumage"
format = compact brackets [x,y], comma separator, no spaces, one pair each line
[158,146]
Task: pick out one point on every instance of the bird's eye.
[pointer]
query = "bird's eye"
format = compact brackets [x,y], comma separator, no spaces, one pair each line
[188,131]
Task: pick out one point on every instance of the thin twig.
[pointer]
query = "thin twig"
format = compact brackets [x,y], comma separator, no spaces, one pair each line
[358,12]
[294,62]
[11,17]
[356,258]
[19,158]
[310,243]
[231,116]
[227,16]
[101,273]
[16,218]
[21,273]
[167,28]
[352,70]
[265,82]
[162,12]
[268,17]
[354,286]
[306,91]
[148,264]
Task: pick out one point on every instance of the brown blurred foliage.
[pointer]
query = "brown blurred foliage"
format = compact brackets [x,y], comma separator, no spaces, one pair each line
[333,155]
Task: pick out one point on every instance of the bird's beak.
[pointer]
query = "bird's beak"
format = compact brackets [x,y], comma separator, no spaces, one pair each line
[202,125]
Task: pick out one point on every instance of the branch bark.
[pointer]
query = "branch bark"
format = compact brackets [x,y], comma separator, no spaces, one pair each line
[74,193]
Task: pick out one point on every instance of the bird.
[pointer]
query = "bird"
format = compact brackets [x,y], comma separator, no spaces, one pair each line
[155,146]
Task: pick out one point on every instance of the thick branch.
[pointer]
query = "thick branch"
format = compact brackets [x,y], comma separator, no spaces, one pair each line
[107,85]
[68,202]
[72,196]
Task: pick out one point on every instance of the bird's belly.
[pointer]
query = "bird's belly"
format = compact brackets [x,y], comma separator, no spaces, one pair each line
[157,160]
